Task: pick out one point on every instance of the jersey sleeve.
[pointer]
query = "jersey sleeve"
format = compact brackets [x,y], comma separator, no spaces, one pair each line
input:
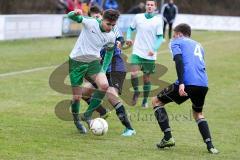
[159,28]
[175,47]
[133,25]
[89,22]
[113,38]
[74,17]
[117,32]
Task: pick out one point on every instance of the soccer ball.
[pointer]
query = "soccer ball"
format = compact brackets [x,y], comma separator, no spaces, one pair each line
[99,126]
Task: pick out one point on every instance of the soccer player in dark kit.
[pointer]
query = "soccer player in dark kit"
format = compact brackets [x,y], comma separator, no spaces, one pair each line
[192,84]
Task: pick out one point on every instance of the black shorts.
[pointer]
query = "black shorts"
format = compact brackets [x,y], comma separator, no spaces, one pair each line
[195,93]
[116,79]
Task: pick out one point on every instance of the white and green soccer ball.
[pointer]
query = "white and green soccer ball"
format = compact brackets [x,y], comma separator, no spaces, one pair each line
[99,126]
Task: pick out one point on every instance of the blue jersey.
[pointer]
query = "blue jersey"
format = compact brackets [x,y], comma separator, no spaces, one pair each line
[193,61]
[117,63]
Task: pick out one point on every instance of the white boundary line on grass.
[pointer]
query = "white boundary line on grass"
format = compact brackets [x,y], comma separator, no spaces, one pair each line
[49,67]
[26,71]
[204,43]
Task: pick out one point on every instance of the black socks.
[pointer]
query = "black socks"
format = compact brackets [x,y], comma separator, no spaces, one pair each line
[204,130]
[121,113]
[162,118]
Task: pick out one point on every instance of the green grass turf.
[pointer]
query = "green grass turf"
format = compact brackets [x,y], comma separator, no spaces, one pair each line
[29,128]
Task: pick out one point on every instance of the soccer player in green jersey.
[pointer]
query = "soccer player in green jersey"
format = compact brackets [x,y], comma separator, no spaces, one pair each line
[148,39]
[84,60]
[116,74]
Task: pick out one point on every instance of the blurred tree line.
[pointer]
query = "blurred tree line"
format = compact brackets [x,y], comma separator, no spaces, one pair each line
[209,7]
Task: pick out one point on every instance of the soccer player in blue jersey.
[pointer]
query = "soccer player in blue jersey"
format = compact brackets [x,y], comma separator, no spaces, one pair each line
[116,74]
[192,84]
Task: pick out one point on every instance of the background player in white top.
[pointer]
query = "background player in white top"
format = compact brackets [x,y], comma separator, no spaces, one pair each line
[84,61]
[147,41]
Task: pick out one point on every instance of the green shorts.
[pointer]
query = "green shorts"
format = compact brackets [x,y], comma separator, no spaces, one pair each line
[147,66]
[79,70]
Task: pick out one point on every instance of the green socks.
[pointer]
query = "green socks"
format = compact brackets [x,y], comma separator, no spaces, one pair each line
[95,102]
[146,91]
[75,106]
[134,82]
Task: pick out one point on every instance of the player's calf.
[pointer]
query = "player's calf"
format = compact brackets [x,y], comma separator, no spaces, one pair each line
[75,112]
[204,130]
[163,120]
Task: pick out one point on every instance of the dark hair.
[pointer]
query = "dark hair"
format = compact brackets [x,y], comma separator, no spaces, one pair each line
[184,28]
[152,0]
[111,14]
[94,9]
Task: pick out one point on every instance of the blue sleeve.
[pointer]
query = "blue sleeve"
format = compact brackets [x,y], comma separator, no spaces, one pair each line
[117,51]
[175,48]
[158,42]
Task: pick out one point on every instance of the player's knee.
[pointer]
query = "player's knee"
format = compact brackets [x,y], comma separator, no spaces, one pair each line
[104,86]
[87,92]
[112,96]
[77,97]
[134,74]
[146,78]
[112,92]
[156,102]
[197,115]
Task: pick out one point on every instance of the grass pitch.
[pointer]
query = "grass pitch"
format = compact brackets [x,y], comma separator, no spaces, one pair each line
[30,129]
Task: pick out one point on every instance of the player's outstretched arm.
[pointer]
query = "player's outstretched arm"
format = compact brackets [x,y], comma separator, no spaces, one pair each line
[179,67]
[129,33]
[129,41]
[158,42]
[156,45]
[180,70]
[108,57]
[76,15]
